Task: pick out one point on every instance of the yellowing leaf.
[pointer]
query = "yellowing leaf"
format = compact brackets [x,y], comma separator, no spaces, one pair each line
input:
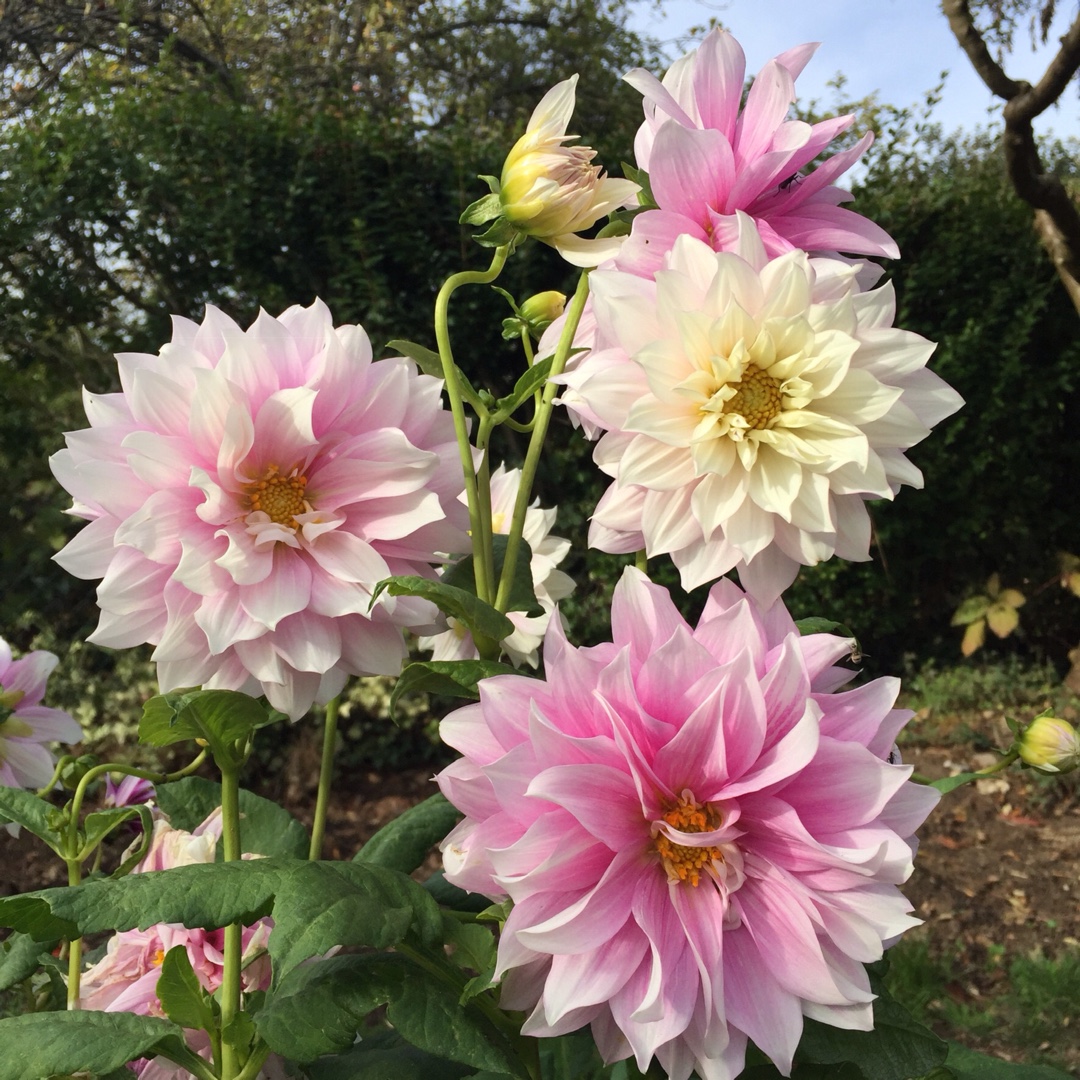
[993,585]
[974,636]
[1072,582]
[974,607]
[1003,619]
[1013,598]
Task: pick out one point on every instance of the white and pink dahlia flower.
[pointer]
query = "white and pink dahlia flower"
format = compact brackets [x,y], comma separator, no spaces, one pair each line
[549,583]
[752,406]
[26,724]
[707,158]
[245,492]
[702,838]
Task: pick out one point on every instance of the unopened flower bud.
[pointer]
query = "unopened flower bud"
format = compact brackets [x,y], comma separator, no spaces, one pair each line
[1050,745]
[541,310]
[551,191]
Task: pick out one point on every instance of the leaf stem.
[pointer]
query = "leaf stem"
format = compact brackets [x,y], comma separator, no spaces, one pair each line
[453,392]
[326,775]
[536,441]
[74,868]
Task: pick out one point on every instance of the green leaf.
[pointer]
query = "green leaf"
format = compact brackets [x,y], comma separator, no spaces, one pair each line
[898,1048]
[641,178]
[207,895]
[450,678]
[387,1059]
[403,844]
[482,211]
[182,997]
[38,1045]
[522,595]
[969,1065]
[265,827]
[20,957]
[319,1008]
[573,1055]
[500,234]
[478,617]
[974,607]
[219,717]
[426,359]
[450,896]
[526,386]
[32,813]
[98,825]
[818,625]
[320,905]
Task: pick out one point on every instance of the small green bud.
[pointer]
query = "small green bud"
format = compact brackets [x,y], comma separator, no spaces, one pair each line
[1050,745]
[74,771]
[541,310]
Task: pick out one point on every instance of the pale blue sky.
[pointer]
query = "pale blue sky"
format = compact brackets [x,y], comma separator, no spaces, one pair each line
[898,47]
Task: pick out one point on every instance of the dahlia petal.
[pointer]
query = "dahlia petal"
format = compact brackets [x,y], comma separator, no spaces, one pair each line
[766,106]
[88,553]
[283,592]
[692,169]
[820,226]
[49,724]
[349,558]
[225,623]
[592,978]
[584,789]
[641,614]
[719,75]
[757,1004]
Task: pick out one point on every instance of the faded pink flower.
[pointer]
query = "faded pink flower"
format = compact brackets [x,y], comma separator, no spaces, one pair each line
[701,835]
[707,158]
[549,583]
[753,405]
[125,978]
[245,492]
[25,724]
[129,791]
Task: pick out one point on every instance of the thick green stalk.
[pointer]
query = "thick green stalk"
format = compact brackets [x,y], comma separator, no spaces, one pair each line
[326,773]
[230,980]
[641,561]
[74,868]
[536,441]
[481,529]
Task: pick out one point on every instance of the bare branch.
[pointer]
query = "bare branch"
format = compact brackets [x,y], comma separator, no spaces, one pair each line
[962,24]
[1057,76]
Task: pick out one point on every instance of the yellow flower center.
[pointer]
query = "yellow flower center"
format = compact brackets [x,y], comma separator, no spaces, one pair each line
[757,398]
[158,958]
[681,862]
[281,498]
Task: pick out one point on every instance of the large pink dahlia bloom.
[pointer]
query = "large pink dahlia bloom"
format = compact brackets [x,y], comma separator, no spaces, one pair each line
[701,837]
[707,158]
[752,406]
[25,724]
[245,492]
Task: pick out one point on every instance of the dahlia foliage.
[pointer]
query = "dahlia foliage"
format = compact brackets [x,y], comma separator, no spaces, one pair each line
[682,846]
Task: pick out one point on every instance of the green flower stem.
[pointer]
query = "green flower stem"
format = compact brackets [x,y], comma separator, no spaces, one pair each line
[74,869]
[326,773]
[73,856]
[480,528]
[641,561]
[99,771]
[539,434]
[65,760]
[230,980]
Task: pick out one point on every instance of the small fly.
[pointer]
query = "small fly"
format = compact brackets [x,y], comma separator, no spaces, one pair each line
[791,181]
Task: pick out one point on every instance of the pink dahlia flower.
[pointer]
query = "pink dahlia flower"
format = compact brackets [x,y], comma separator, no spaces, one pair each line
[752,406]
[245,492]
[25,724]
[549,583]
[125,978]
[707,158]
[701,837]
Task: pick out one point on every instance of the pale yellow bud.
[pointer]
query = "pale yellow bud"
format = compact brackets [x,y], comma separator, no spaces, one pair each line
[542,309]
[551,191]
[1050,744]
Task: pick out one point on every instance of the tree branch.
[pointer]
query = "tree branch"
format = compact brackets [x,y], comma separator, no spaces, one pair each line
[962,24]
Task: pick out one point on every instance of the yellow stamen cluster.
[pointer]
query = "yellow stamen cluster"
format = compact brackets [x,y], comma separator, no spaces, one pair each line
[279,497]
[681,862]
[757,398]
